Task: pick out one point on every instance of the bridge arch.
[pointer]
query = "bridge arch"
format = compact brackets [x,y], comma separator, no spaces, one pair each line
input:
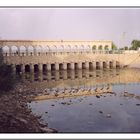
[30,50]
[100,47]
[104,64]
[45,49]
[60,48]
[117,64]
[6,50]
[91,65]
[38,50]
[97,65]
[94,47]
[22,49]
[88,48]
[106,47]
[82,48]
[111,64]
[14,50]
[75,48]
[27,68]
[53,48]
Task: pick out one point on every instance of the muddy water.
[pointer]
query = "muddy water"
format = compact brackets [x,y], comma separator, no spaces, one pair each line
[118,112]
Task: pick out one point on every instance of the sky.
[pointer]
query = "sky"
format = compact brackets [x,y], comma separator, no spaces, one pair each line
[118,25]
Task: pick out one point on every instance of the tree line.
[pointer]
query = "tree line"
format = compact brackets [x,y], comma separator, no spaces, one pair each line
[135,45]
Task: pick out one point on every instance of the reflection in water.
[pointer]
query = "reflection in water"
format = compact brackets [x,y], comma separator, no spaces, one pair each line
[107,113]
[60,79]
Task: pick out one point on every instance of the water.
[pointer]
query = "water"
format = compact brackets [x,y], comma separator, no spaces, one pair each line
[109,113]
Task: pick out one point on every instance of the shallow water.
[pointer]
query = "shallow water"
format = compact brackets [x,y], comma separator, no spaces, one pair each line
[109,113]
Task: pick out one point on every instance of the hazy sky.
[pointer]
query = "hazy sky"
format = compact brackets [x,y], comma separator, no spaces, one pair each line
[71,24]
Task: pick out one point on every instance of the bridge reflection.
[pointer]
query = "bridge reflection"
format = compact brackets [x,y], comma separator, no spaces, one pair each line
[81,78]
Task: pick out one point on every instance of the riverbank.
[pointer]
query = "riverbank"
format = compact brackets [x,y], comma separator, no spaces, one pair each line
[16,116]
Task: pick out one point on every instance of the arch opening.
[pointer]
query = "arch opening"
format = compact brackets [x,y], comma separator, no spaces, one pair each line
[106,47]
[76,66]
[18,69]
[97,65]
[111,64]
[94,47]
[90,66]
[36,68]
[117,64]
[60,66]
[68,66]
[5,50]
[27,68]
[44,67]
[53,67]
[83,65]
[100,47]
[104,65]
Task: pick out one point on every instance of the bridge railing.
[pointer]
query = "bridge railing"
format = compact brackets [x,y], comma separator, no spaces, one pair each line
[74,52]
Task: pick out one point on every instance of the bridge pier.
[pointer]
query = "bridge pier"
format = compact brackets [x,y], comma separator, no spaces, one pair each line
[101,64]
[72,75]
[72,66]
[107,64]
[40,67]
[94,65]
[22,68]
[14,68]
[65,75]
[87,65]
[49,67]
[57,75]
[64,66]
[80,65]
[56,66]
[31,68]
[80,74]
[114,64]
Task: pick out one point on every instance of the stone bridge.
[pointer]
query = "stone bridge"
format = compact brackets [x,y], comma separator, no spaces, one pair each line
[34,55]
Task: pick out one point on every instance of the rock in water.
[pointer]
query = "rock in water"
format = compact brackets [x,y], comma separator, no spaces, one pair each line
[108,115]
[97,96]
[48,130]
[101,112]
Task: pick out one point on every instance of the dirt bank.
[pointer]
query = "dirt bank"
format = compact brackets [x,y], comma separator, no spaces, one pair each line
[16,116]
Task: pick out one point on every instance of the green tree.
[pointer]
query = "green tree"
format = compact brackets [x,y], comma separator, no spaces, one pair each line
[135,44]
[126,48]
[114,47]
[7,80]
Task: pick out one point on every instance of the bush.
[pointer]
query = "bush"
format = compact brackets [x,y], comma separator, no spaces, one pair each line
[7,80]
